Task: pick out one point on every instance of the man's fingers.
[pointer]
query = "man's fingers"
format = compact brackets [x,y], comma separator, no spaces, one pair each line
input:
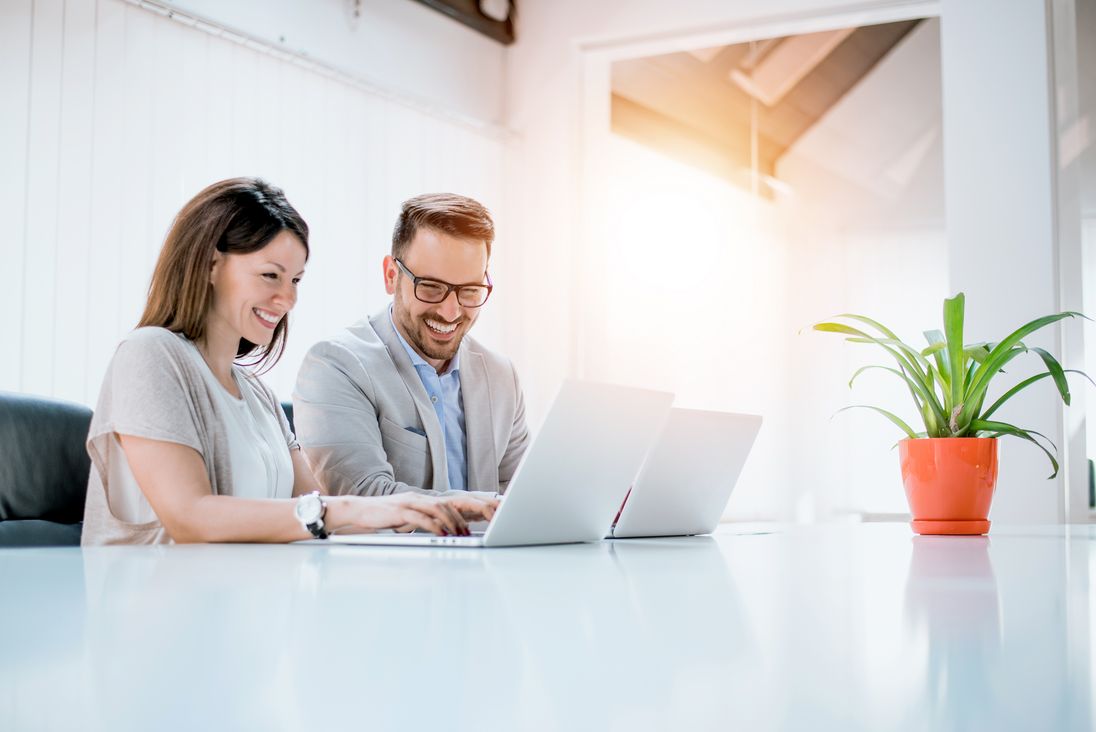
[450,517]
[474,507]
[458,519]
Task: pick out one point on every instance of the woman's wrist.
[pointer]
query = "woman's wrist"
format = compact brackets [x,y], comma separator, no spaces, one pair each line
[341,512]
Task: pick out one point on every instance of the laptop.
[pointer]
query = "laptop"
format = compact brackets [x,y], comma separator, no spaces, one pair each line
[572,478]
[688,477]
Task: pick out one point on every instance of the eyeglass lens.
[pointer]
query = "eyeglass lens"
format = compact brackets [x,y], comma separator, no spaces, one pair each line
[434,292]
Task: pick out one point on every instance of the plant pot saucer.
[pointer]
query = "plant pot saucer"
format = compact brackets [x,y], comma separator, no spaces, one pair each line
[976,527]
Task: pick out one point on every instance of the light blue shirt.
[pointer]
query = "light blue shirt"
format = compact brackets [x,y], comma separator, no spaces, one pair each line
[444,392]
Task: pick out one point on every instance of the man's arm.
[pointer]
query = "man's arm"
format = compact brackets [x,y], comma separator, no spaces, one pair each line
[336,422]
[519,438]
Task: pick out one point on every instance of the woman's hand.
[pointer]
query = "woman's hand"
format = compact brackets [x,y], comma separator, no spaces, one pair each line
[399,511]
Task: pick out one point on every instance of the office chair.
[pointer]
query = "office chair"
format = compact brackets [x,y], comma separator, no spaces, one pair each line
[44,470]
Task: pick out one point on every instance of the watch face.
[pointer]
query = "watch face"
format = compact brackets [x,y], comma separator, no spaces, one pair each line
[308,509]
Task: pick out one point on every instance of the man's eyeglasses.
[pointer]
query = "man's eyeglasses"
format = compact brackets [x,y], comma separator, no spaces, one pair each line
[435,291]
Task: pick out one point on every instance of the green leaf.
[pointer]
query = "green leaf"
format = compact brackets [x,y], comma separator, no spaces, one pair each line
[941,373]
[977,351]
[908,358]
[1023,385]
[893,418]
[953,334]
[921,388]
[933,337]
[934,348]
[1055,370]
[999,356]
[912,352]
[924,401]
[1003,428]
[873,323]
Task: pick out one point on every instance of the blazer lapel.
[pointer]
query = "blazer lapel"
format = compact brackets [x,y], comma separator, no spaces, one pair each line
[479,433]
[382,325]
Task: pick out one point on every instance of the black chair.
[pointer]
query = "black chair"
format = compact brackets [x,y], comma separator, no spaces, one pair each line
[44,470]
[287,407]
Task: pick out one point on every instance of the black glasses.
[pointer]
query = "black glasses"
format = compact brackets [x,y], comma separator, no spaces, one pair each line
[435,291]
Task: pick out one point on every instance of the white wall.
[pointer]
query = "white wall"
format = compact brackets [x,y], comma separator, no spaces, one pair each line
[399,45]
[115,116]
[1082,134]
[999,163]
[866,233]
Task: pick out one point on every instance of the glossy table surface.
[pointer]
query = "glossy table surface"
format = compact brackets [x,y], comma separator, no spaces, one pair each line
[800,627]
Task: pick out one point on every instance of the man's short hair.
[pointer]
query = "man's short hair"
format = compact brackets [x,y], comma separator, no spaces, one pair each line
[448,213]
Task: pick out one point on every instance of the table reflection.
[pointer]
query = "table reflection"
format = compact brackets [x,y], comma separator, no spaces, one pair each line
[952,600]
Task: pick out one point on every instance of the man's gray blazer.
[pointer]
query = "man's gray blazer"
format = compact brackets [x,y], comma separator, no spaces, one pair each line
[367,426]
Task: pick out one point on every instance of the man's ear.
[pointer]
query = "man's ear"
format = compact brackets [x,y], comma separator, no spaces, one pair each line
[391,274]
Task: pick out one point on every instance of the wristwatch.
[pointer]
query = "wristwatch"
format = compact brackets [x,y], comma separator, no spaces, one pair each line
[310,510]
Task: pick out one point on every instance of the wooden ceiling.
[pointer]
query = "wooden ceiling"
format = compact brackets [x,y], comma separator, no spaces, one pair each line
[691,106]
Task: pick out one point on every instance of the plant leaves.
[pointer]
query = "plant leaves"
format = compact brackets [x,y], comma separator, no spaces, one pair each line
[1001,354]
[926,403]
[906,356]
[1023,385]
[1003,428]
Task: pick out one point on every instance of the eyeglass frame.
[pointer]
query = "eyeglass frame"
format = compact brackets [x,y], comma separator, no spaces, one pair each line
[415,280]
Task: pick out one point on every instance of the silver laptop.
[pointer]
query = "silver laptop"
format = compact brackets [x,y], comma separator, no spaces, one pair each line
[688,477]
[574,475]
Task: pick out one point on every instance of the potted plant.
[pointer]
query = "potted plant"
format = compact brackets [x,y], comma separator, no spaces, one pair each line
[949,469]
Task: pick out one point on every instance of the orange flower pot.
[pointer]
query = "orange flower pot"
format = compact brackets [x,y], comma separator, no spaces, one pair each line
[949,483]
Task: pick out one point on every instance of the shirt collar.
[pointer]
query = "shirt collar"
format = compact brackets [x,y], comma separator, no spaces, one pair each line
[416,359]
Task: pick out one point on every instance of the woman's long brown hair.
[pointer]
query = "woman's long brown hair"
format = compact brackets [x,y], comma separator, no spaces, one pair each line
[234,216]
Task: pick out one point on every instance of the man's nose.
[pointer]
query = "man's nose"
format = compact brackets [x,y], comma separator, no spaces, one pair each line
[449,308]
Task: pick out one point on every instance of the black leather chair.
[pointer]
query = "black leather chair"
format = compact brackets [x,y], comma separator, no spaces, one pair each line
[44,470]
[287,407]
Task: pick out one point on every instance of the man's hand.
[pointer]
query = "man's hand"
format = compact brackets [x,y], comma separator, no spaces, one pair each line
[473,505]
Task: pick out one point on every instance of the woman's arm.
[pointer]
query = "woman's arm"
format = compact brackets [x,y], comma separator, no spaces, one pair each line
[303,479]
[173,479]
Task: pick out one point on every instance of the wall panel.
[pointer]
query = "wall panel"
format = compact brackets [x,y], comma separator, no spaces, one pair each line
[74,216]
[43,162]
[15,39]
[108,199]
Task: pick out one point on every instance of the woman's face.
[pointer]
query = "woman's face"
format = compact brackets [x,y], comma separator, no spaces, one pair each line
[253,292]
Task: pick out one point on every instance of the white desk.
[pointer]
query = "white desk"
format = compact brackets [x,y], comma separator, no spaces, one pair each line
[836,627]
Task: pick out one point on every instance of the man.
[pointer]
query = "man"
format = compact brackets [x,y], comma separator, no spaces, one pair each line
[405,400]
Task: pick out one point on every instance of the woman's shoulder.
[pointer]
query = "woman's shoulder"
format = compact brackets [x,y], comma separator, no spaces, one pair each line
[151,335]
[154,341]
[152,348]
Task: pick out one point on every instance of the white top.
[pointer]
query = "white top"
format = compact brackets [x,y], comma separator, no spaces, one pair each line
[259,459]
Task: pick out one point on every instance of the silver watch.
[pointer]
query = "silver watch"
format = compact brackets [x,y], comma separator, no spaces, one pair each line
[310,510]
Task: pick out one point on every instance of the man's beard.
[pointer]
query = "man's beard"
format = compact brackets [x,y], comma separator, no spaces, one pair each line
[417,332]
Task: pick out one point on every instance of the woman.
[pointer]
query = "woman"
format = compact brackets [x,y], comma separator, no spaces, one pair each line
[187,445]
